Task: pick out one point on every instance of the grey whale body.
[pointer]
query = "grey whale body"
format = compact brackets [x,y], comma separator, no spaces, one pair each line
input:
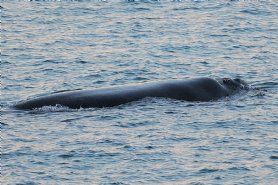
[195,89]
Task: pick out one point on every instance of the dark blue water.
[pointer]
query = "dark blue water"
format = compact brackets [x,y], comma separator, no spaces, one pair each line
[53,46]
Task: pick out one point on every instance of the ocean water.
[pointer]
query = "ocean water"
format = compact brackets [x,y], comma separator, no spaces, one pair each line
[52,46]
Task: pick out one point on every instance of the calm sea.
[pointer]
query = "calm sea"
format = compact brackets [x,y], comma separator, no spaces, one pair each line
[50,46]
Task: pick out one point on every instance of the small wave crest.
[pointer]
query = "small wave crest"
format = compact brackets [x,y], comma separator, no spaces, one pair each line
[56,108]
[59,108]
[266,85]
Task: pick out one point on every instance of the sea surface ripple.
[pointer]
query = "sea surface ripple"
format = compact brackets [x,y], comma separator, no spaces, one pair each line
[49,46]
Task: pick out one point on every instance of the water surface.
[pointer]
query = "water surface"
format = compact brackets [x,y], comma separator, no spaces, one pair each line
[53,46]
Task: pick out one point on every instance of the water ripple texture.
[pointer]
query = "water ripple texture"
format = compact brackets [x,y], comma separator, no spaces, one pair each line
[51,46]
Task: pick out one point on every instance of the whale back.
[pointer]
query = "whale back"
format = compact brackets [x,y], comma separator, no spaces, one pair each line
[196,89]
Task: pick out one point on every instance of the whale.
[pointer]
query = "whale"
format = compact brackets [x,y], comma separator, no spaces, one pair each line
[191,89]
